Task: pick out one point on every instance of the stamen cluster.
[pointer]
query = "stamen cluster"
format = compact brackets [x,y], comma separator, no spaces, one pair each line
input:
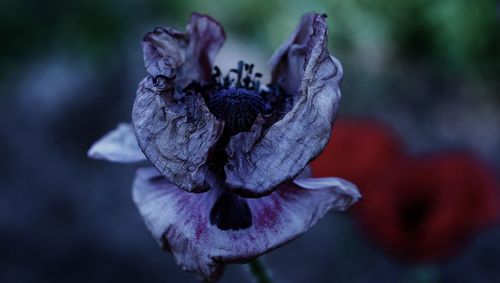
[237,97]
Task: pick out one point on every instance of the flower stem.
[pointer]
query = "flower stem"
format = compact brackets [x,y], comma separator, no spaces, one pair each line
[259,271]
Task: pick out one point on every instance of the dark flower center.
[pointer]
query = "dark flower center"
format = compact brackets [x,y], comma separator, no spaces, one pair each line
[414,215]
[238,107]
[237,98]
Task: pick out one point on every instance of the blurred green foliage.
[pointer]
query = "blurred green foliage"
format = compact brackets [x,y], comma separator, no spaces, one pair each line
[456,36]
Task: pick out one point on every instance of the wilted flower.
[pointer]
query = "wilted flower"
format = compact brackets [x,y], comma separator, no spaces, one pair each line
[228,153]
[425,208]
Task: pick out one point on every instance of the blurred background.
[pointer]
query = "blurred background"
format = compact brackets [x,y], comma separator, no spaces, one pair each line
[426,69]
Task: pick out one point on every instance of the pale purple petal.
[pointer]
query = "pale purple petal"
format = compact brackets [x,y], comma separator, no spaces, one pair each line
[306,173]
[287,63]
[176,131]
[180,220]
[175,137]
[119,145]
[164,51]
[207,37]
[284,150]
[188,55]
[347,193]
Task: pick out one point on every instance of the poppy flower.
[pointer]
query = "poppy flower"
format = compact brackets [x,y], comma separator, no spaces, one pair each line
[230,179]
[424,209]
[359,150]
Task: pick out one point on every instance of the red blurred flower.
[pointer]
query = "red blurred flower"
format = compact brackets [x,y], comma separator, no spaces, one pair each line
[417,209]
[358,151]
[425,208]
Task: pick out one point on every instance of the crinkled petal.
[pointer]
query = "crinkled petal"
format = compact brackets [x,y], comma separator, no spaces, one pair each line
[175,139]
[258,163]
[175,132]
[181,221]
[187,55]
[287,63]
[119,145]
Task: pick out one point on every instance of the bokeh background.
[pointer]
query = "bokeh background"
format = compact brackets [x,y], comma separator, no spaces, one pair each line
[68,73]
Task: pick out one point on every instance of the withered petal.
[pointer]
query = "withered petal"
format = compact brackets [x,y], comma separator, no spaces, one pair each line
[260,160]
[119,145]
[287,62]
[181,221]
[187,55]
[177,134]
[175,139]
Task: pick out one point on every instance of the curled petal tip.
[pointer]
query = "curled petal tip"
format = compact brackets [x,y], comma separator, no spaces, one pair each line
[119,145]
[345,192]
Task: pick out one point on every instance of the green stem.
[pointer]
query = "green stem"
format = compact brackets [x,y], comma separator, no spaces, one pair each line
[425,273]
[259,271]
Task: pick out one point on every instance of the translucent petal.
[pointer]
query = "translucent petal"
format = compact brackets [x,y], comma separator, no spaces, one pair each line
[119,145]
